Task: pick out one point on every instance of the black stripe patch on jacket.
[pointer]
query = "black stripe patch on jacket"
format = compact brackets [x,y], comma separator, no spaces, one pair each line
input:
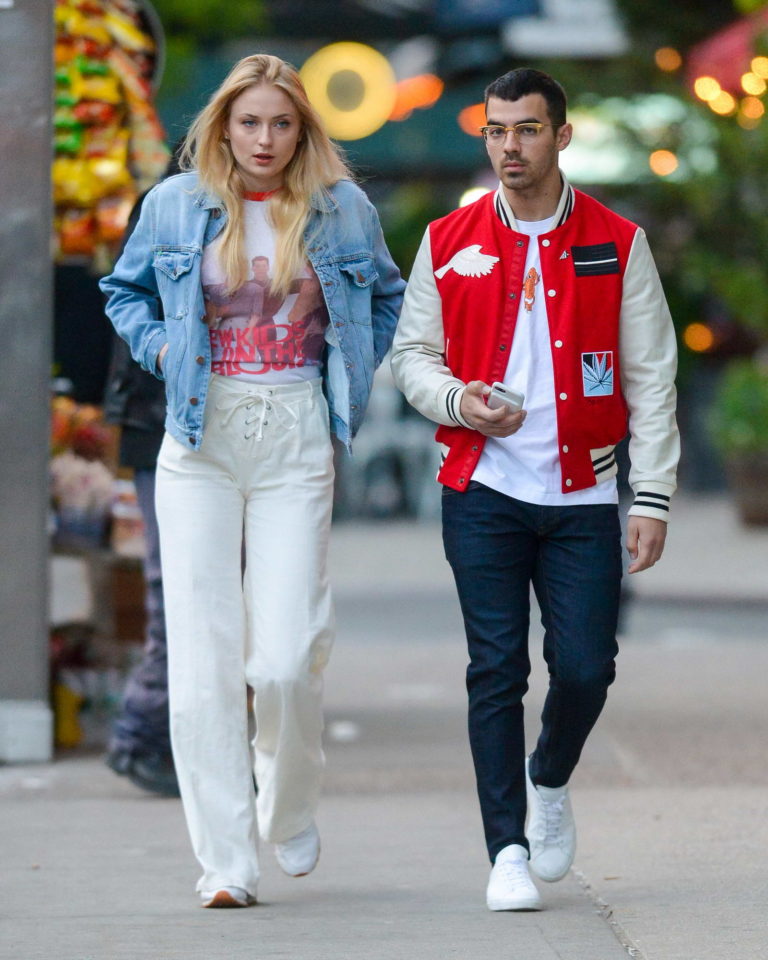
[605,466]
[595,260]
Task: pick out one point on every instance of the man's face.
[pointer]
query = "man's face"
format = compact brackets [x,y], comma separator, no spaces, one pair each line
[260,267]
[532,165]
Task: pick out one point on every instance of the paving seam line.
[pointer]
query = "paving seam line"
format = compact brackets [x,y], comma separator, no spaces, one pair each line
[606,912]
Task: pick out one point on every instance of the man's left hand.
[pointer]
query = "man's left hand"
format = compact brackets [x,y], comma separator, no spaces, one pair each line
[645,542]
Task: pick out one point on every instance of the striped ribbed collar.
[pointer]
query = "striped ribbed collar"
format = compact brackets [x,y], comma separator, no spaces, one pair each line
[507,217]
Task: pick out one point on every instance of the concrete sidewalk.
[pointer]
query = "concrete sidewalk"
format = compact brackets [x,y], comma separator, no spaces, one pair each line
[670,796]
[709,556]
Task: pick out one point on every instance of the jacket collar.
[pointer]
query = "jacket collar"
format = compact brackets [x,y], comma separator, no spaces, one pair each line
[324,201]
[563,211]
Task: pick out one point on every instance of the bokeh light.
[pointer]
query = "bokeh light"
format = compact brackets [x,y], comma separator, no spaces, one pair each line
[754,84]
[474,193]
[723,104]
[706,88]
[416,93]
[698,337]
[663,162]
[472,118]
[352,87]
[747,123]
[759,66]
[668,59]
[752,108]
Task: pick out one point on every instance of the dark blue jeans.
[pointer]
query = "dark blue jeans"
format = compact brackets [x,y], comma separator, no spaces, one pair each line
[497,547]
[142,725]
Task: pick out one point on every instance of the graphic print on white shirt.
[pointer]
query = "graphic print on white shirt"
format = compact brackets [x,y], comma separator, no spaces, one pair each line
[529,288]
[255,335]
[526,465]
[469,262]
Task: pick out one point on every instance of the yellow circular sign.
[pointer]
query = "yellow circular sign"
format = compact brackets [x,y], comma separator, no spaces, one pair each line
[352,87]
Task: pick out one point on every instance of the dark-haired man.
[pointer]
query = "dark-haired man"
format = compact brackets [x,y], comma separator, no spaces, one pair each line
[539,287]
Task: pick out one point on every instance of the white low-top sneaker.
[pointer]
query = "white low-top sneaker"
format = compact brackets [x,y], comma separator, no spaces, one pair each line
[551,830]
[299,855]
[227,897]
[510,886]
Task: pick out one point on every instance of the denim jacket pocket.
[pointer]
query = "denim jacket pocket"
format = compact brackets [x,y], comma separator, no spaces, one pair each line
[362,274]
[174,261]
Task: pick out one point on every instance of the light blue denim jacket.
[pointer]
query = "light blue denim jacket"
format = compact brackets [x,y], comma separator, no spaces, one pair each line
[162,261]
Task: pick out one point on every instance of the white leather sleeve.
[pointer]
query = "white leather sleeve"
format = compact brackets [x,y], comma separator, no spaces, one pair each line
[419,347]
[648,353]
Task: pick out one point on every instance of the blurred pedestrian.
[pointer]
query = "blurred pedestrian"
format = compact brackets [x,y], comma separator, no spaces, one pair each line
[140,743]
[280,299]
[541,289]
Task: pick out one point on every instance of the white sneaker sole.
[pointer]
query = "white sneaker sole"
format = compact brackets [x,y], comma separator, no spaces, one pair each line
[223,900]
[549,877]
[533,903]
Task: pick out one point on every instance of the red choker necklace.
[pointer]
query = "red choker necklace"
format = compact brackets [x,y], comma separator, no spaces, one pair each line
[255,195]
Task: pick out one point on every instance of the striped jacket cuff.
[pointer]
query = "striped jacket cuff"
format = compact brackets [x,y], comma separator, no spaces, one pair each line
[453,406]
[647,503]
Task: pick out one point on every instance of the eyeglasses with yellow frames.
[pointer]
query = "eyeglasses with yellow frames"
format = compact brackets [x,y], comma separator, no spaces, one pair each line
[522,132]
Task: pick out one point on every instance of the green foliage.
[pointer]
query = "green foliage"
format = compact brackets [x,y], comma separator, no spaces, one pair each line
[404,218]
[749,6]
[740,415]
[730,241]
[680,24]
[206,23]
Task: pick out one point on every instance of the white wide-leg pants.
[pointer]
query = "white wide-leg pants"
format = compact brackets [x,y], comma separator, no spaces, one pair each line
[263,475]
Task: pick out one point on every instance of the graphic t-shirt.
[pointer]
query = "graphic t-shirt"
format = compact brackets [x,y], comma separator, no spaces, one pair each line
[255,335]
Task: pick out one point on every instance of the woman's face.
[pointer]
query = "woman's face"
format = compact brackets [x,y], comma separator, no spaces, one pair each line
[263,130]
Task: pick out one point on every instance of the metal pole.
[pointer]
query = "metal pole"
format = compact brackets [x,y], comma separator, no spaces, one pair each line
[26,44]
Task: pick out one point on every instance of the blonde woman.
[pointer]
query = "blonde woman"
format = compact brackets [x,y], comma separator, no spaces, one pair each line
[279,300]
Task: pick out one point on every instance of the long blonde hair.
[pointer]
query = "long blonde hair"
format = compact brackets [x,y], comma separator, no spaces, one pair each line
[314,167]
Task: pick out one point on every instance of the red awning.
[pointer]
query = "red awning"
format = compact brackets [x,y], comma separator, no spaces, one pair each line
[726,55]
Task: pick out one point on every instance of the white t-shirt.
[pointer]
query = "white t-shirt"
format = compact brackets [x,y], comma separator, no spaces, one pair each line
[255,335]
[526,465]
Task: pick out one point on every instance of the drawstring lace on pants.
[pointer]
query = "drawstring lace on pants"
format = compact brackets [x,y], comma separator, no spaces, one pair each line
[258,408]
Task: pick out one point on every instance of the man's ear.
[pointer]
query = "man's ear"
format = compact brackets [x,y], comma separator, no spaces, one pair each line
[564,135]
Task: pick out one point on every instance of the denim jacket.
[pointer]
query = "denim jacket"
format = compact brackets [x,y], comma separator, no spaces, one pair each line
[162,262]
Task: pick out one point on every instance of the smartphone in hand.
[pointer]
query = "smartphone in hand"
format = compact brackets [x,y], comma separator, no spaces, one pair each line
[502,395]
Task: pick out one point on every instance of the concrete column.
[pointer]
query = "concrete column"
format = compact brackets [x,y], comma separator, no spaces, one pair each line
[26,85]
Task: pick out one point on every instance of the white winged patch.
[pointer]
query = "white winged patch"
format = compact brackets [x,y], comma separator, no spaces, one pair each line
[469,262]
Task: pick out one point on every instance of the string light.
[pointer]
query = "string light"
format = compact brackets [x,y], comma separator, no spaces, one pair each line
[706,88]
[663,162]
[416,92]
[752,108]
[754,84]
[723,104]
[698,337]
[668,59]
[472,118]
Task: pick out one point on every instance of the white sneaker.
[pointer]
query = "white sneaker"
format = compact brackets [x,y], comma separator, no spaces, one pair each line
[226,897]
[510,886]
[299,855]
[551,830]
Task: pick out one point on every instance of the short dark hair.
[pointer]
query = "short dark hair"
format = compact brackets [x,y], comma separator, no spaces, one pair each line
[525,80]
